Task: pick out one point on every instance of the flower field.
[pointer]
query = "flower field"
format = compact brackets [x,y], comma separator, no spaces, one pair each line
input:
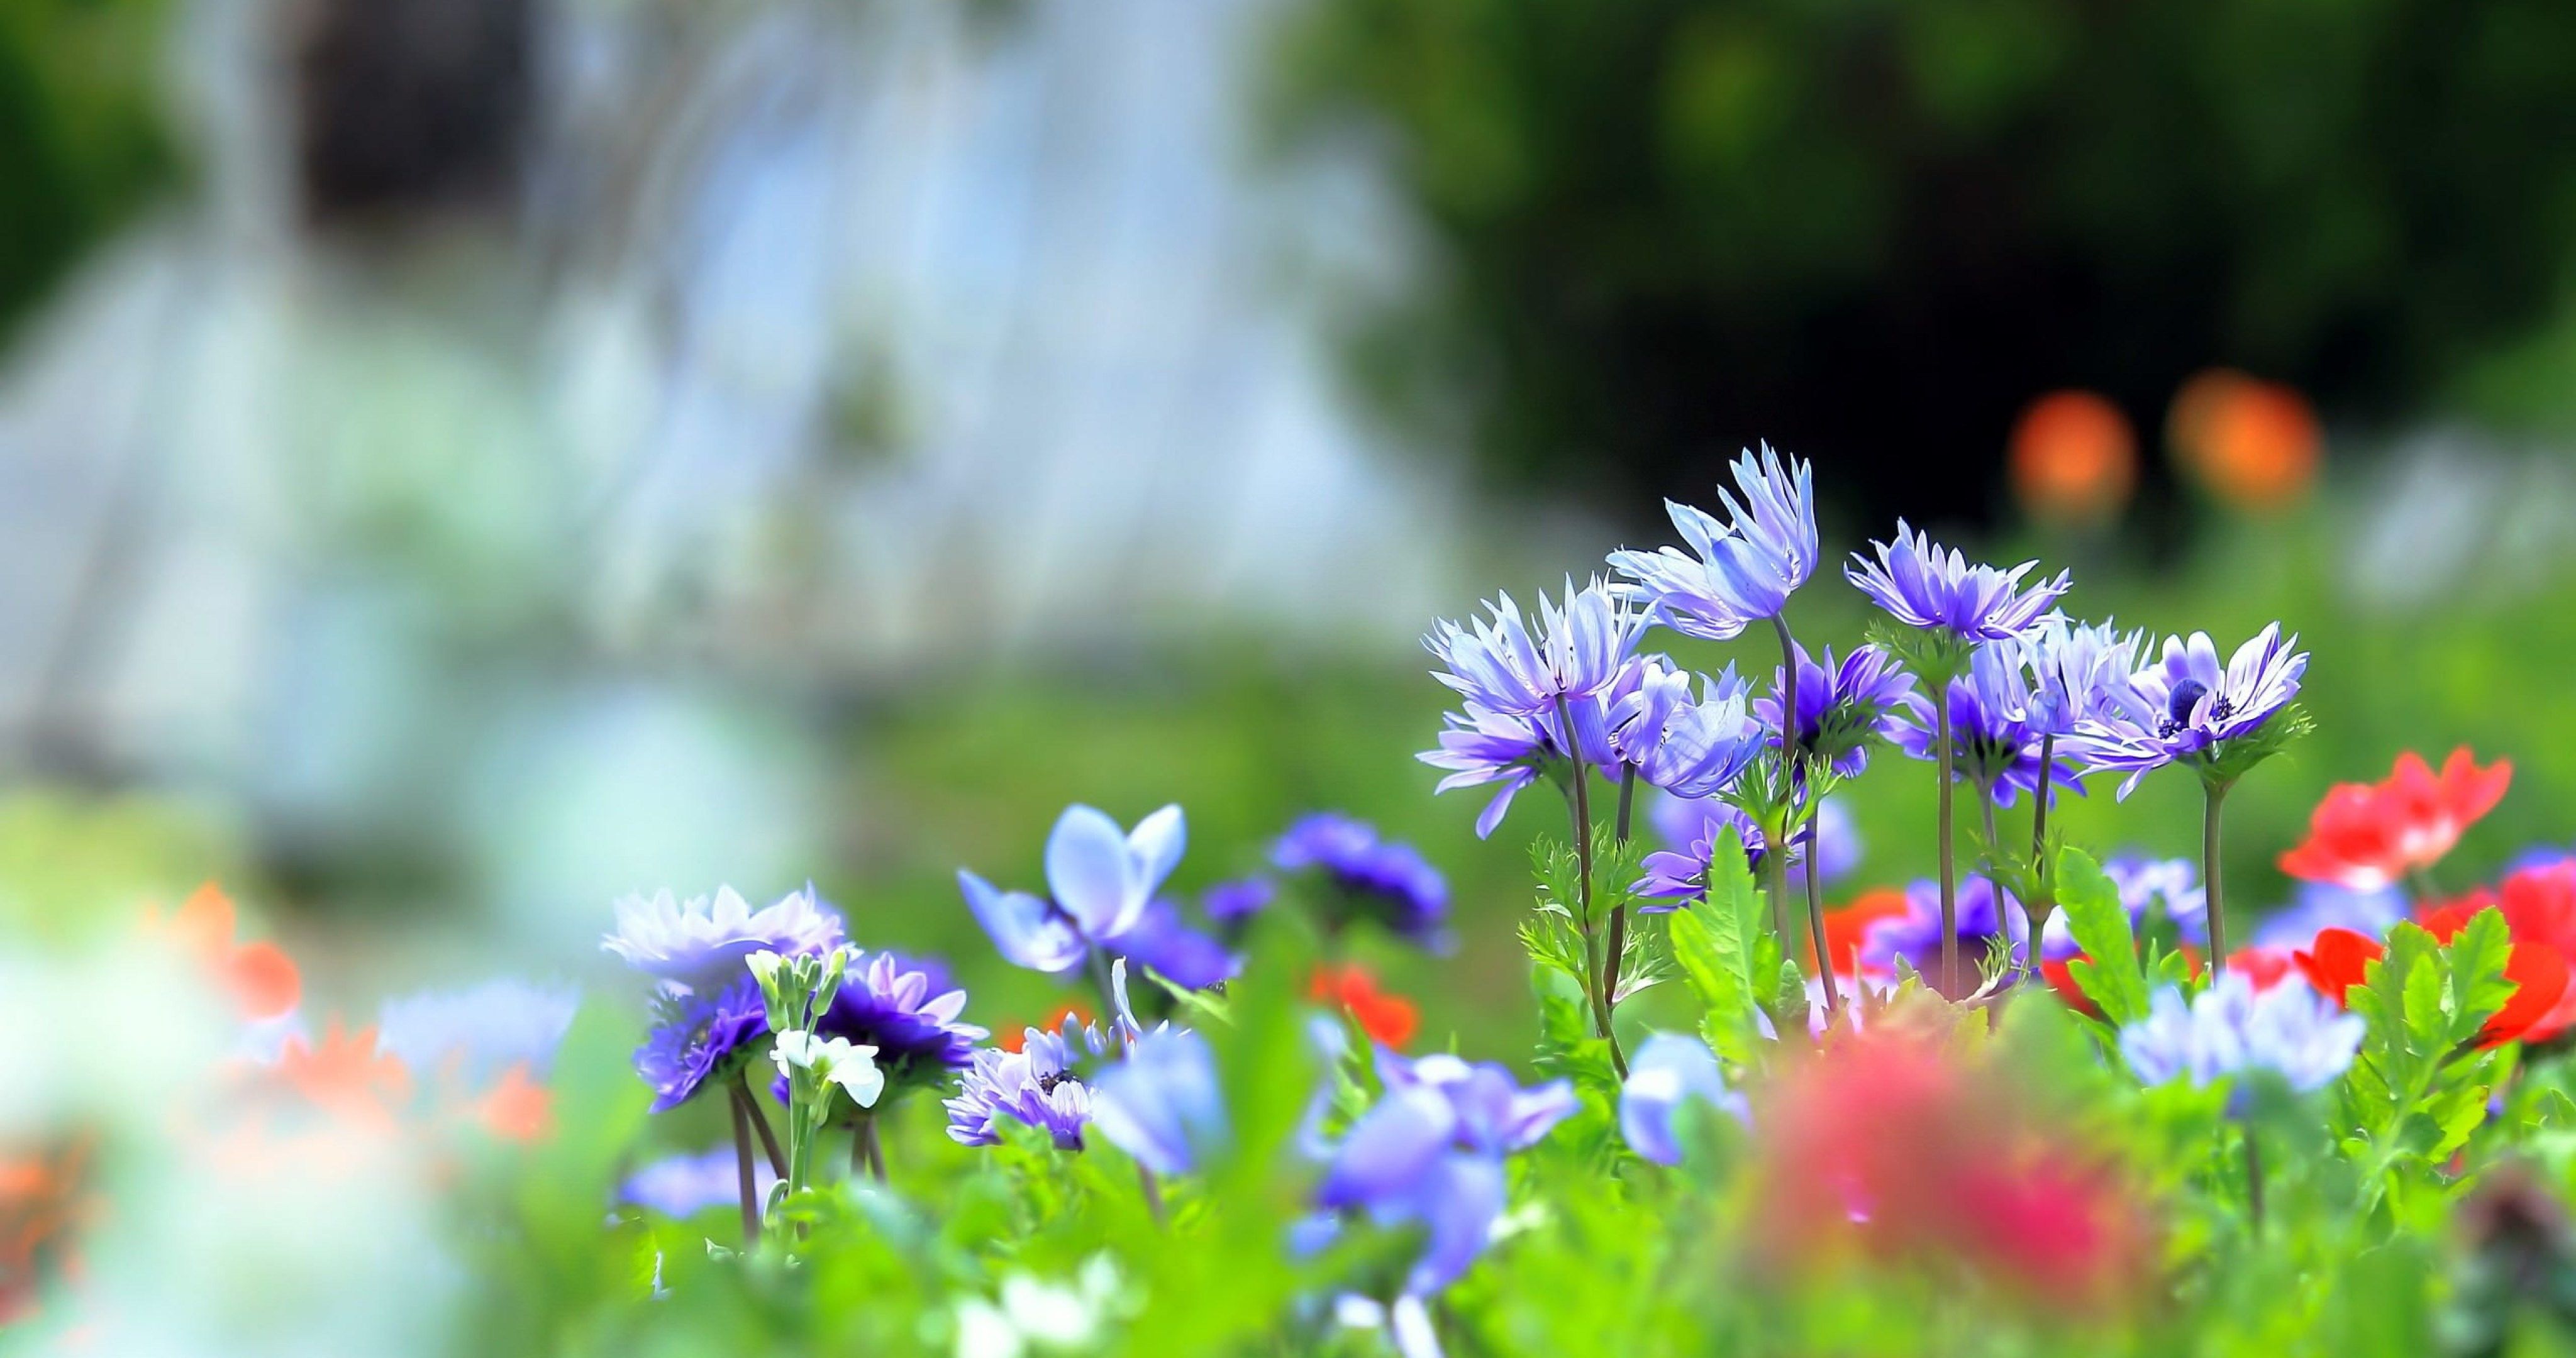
[1914,977]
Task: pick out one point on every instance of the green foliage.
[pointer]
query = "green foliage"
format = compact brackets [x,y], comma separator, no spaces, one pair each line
[2419,1089]
[2110,974]
[1730,959]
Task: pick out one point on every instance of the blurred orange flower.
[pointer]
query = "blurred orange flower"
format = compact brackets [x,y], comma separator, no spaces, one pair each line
[1388,1019]
[260,978]
[2253,444]
[2074,458]
[41,1199]
[1847,928]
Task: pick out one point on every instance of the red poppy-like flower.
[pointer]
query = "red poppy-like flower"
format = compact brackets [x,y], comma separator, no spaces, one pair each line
[2254,444]
[1846,929]
[2265,967]
[1891,1146]
[2334,962]
[1389,1020]
[2367,835]
[2539,908]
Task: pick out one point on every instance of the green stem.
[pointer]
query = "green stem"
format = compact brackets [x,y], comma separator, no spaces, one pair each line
[760,1122]
[1816,922]
[2209,877]
[867,1155]
[2039,813]
[1793,754]
[1583,859]
[748,1181]
[1614,958]
[1949,866]
[1994,872]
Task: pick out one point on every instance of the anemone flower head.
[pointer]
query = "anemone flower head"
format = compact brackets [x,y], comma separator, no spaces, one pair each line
[2077,671]
[1668,1071]
[2188,709]
[701,942]
[2230,1028]
[1431,1150]
[2369,835]
[698,1036]
[1230,904]
[2158,893]
[1992,742]
[1501,666]
[1183,955]
[908,1013]
[1842,705]
[1372,877]
[1674,877]
[1737,572]
[479,1032]
[1100,879]
[1914,937]
[1922,584]
[1162,1104]
[1481,747]
[1686,747]
[1034,1086]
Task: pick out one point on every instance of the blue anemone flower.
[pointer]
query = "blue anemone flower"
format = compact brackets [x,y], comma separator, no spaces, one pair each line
[1915,936]
[1668,1071]
[1431,1150]
[2186,708]
[1686,747]
[1035,1086]
[2078,671]
[1162,1104]
[696,1036]
[1100,880]
[1921,584]
[1161,939]
[1842,705]
[1992,742]
[2231,1027]
[1737,572]
[701,942]
[1373,877]
[1499,665]
[908,1012]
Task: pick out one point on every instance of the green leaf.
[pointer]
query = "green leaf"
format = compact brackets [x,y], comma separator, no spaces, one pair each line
[2477,958]
[2113,978]
[1719,944]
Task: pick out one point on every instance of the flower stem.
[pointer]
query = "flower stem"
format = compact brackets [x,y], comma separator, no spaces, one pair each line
[1614,957]
[1153,1192]
[749,1182]
[1949,866]
[2039,811]
[1816,922]
[1793,754]
[1994,874]
[2209,877]
[760,1123]
[1583,859]
[867,1154]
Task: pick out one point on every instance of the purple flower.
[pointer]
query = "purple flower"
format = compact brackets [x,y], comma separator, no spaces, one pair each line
[1691,749]
[1184,956]
[1100,879]
[1921,584]
[681,1186]
[2187,708]
[1841,706]
[1162,1104]
[2152,890]
[1673,877]
[696,1036]
[1431,1150]
[1479,746]
[2078,671]
[1035,1086]
[2323,905]
[908,1012]
[1992,743]
[1669,1070]
[703,943]
[481,1032]
[1738,572]
[1500,667]
[1231,904]
[2230,1027]
[1915,936]
[1375,878]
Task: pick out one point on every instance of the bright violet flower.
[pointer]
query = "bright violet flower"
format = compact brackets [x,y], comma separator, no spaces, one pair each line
[1739,572]
[1372,878]
[1668,1071]
[907,1013]
[1100,880]
[2078,671]
[1035,1085]
[2186,709]
[2230,1028]
[701,943]
[1500,667]
[1431,1150]
[1687,748]
[697,1036]
[2369,835]
[1992,742]
[1160,939]
[681,1186]
[1230,905]
[1921,584]
[1479,746]
[1389,1020]
[1673,878]
[1842,705]
[1162,1104]
[1687,825]
[1915,936]
[479,1033]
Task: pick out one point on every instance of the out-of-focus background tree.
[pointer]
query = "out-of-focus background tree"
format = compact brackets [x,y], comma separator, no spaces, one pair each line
[464,459]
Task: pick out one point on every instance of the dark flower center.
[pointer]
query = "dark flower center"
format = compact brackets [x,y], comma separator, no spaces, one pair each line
[2187,695]
[1048,1082]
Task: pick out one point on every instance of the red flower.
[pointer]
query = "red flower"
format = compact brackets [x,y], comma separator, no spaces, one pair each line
[260,978]
[2539,908]
[1846,929]
[2335,960]
[1389,1020]
[2265,967]
[2367,835]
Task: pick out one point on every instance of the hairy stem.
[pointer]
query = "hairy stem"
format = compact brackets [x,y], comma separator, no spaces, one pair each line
[1793,753]
[1583,859]
[1994,870]
[2209,877]
[1614,958]
[1949,865]
[2039,812]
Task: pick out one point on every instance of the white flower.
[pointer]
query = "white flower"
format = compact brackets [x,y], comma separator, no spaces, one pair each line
[836,1060]
[1034,1313]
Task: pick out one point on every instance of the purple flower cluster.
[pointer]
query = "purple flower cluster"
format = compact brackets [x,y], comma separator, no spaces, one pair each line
[1986,918]
[1100,883]
[2231,1028]
[697,1036]
[1842,705]
[1372,877]
[908,1012]
[1993,744]
[1923,585]
[2185,709]
[1035,1086]
[1738,572]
